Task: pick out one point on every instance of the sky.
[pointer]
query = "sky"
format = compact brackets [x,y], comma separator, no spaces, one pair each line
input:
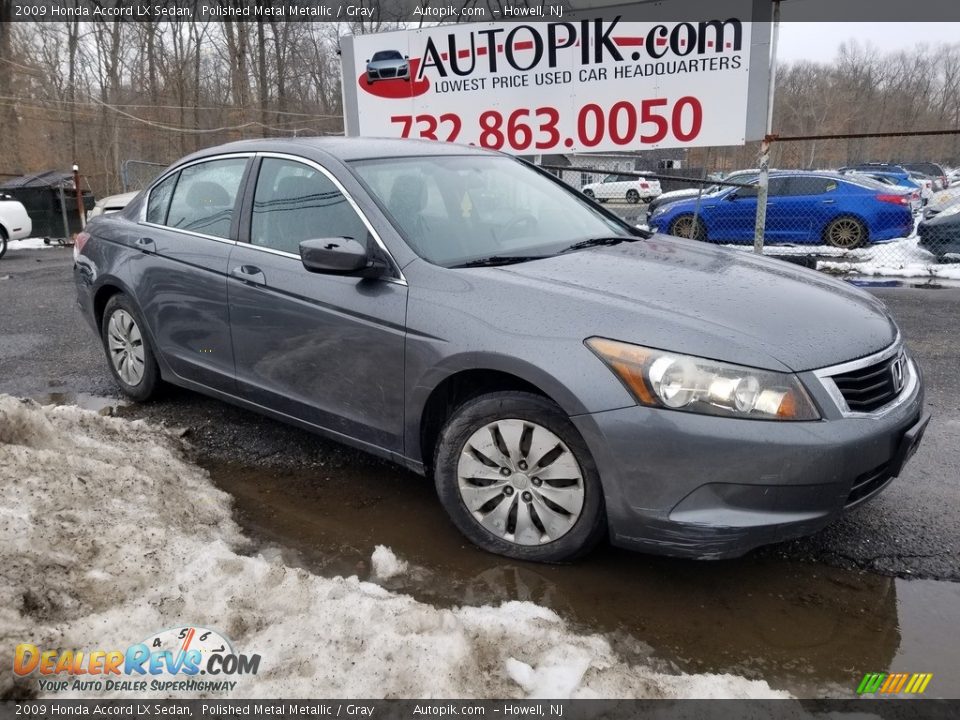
[821,40]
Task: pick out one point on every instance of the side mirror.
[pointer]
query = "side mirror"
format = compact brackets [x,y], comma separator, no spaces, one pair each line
[334,256]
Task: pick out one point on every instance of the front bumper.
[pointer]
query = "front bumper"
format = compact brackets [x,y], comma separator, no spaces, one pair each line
[690,485]
[388,73]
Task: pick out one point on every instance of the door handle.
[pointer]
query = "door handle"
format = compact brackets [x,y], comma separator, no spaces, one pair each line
[828,202]
[146,244]
[250,274]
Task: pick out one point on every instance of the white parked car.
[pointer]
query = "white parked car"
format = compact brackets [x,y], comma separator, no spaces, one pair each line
[616,186]
[939,202]
[112,204]
[14,221]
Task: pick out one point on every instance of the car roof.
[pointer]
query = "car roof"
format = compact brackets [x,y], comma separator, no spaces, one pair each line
[345,148]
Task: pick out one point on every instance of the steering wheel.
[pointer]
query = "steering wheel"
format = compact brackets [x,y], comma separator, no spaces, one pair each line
[517,221]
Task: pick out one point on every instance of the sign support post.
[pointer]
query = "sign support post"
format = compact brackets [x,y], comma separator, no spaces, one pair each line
[764,182]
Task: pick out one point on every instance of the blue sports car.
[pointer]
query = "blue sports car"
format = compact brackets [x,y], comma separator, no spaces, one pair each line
[803,207]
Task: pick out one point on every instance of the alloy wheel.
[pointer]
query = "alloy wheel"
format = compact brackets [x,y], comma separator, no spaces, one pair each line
[845,233]
[685,227]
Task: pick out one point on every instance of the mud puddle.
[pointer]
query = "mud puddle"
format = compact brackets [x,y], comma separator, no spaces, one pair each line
[98,403]
[812,630]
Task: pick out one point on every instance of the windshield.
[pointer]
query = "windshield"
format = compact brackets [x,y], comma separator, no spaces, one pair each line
[387,55]
[454,210]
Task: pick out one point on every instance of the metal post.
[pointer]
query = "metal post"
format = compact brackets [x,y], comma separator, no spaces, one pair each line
[81,213]
[700,188]
[63,213]
[764,181]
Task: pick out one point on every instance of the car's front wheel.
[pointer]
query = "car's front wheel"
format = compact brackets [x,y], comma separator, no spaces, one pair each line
[686,226]
[633,197]
[128,350]
[3,242]
[517,479]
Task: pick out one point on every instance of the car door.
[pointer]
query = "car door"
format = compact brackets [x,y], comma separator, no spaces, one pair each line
[731,216]
[326,349]
[608,187]
[785,219]
[187,232]
[803,209]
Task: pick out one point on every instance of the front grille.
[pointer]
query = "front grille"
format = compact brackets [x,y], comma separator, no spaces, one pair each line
[869,483]
[388,72]
[870,388]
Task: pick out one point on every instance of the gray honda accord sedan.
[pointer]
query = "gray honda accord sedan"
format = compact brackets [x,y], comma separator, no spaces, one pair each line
[561,375]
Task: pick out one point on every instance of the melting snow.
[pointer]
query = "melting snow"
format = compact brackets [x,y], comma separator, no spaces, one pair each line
[108,533]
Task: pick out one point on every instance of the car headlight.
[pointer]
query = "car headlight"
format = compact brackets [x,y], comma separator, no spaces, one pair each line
[657,378]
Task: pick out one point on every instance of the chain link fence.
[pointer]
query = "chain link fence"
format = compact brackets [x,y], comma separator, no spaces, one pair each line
[137,174]
[862,218]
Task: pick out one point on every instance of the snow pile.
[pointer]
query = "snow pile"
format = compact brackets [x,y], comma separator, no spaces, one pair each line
[108,534]
[386,565]
[30,244]
[899,258]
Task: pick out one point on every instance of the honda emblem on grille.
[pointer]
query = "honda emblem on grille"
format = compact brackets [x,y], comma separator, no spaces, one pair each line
[897,371]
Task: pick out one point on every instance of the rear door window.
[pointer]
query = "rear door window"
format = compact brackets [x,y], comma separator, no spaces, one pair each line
[205,198]
[804,185]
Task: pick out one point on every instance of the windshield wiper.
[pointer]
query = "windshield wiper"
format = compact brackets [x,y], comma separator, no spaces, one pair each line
[599,241]
[495,260]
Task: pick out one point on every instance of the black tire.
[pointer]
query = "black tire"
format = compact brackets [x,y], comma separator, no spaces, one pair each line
[633,197]
[589,194]
[149,382]
[3,242]
[683,226]
[585,530]
[845,232]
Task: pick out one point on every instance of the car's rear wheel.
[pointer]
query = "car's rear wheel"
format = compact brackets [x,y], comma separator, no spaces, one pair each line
[128,350]
[633,197]
[686,226]
[517,479]
[846,233]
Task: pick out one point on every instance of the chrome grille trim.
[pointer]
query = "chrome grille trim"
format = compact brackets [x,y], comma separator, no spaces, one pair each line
[910,380]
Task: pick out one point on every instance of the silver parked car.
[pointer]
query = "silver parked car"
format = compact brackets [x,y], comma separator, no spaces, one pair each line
[562,376]
[388,65]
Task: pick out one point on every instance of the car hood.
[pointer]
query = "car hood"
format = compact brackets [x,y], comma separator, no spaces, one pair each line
[685,193]
[381,64]
[688,297]
[942,220]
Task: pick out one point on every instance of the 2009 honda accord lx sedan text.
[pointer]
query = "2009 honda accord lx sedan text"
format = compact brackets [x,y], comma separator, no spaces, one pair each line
[561,375]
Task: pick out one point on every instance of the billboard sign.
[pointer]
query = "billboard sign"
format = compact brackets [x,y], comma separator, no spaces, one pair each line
[591,85]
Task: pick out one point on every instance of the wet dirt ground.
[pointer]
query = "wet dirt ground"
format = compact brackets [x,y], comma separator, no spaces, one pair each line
[811,630]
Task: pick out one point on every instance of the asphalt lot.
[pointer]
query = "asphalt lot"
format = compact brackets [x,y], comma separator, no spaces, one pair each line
[48,352]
